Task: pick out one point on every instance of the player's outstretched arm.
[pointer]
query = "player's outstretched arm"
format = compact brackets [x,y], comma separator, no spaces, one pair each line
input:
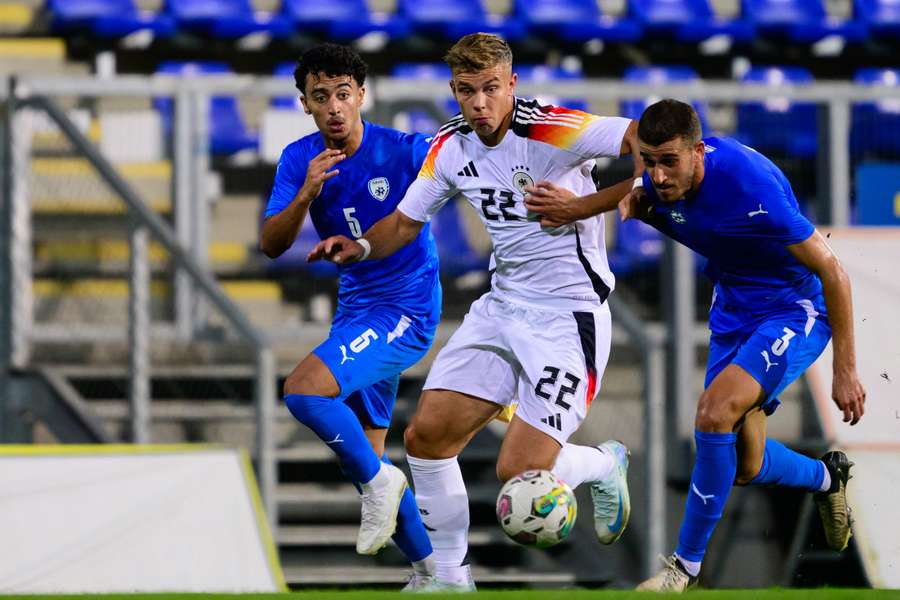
[382,239]
[847,391]
[559,206]
[279,231]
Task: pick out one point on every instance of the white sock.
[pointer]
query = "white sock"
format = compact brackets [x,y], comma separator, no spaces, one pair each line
[577,464]
[444,505]
[425,566]
[378,482]
[691,566]
[826,482]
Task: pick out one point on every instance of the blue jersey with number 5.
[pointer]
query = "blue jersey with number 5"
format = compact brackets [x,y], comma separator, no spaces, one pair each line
[369,186]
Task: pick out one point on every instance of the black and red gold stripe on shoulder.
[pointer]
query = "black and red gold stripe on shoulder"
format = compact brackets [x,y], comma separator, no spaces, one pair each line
[456,124]
[555,125]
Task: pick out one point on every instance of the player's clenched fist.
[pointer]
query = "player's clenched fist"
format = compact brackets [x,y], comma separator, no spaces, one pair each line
[317,173]
[337,249]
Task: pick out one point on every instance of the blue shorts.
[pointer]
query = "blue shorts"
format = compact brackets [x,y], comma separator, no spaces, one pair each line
[775,351]
[367,351]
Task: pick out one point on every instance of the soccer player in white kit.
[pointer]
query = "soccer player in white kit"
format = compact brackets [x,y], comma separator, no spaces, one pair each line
[539,341]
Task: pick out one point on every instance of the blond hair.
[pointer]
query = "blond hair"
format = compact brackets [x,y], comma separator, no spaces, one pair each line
[477,52]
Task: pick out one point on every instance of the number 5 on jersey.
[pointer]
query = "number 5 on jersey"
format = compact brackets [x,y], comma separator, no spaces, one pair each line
[353,222]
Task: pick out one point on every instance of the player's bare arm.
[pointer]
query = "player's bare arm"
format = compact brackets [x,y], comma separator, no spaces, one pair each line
[279,231]
[847,391]
[384,238]
[559,206]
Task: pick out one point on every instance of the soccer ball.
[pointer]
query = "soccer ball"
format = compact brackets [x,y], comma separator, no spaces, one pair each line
[535,508]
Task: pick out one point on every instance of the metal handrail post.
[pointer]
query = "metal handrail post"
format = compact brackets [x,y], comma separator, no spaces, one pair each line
[139,334]
[265,435]
[182,198]
[650,343]
[839,161]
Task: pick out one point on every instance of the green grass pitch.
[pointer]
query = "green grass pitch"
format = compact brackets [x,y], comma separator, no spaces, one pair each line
[762,594]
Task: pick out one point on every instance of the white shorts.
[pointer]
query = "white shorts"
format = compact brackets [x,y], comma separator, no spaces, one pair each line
[549,362]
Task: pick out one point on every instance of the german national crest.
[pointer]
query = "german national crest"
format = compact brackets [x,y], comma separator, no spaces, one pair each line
[521,178]
[379,188]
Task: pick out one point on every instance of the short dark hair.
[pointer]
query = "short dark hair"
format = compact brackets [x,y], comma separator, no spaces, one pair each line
[332,59]
[668,119]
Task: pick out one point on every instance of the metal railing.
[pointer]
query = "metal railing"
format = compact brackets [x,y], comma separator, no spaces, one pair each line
[145,223]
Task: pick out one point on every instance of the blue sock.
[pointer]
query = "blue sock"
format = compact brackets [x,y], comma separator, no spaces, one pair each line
[711,481]
[782,466]
[339,428]
[410,536]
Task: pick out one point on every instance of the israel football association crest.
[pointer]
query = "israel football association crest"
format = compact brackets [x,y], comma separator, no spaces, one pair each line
[521,179]
[379,187]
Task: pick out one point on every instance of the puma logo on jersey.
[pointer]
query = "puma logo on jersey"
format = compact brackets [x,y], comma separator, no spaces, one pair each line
[402,325]
[761,211]
[678,217]
[765,355]
[344,357]
[704,497]
[469,170]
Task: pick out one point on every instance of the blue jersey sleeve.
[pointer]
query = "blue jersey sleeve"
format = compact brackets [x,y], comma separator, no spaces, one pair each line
[784,222]
[289,177]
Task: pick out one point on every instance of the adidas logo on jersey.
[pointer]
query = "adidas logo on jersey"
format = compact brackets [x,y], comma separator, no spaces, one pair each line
[554,421]
[469,170]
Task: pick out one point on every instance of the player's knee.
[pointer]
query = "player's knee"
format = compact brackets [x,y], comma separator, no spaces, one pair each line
[305,383]
[716,413]
[422,440]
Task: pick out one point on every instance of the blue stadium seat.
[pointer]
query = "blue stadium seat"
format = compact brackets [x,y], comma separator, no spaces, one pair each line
[880,17]
[419,119]
[340,20]
[105,18]
[547,73]
[456,253]
[452,20]
[227,19]
[686,20]
[227,132]
[875,129]
[659,75]
[800,21]
[574,21]
[778,125]
[638,248]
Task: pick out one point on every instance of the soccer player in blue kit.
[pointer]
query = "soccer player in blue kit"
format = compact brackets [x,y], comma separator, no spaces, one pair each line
[347,176]
[780,295]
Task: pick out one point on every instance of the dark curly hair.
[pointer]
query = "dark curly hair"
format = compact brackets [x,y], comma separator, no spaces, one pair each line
[333,60]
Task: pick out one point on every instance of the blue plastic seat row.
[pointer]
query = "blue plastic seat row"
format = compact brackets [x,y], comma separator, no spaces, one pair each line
[574,21]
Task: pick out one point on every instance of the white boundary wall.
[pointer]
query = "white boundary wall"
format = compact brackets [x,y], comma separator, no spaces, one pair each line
[871,257]
[132,519]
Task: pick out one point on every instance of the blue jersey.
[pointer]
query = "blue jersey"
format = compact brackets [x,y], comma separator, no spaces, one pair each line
[371,183]
[741,219]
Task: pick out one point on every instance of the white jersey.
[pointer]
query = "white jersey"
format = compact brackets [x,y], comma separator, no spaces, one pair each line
[563,268]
